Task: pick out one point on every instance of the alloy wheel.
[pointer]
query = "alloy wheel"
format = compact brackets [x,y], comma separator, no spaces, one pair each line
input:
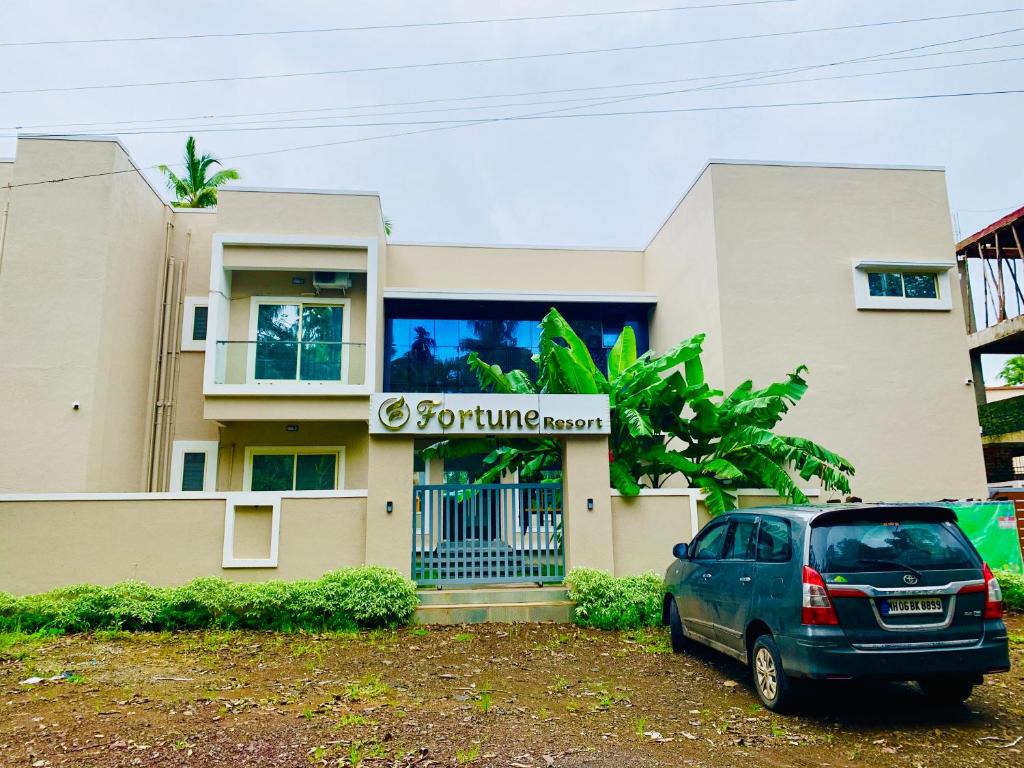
[766,674]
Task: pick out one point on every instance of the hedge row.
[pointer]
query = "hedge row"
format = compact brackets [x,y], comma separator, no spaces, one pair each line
[606,602]
[631,602]
[1012,585]
[348,599]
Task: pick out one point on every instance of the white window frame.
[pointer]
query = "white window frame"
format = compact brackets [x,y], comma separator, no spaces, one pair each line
[254,309]
[178,450]
[234,500]
[278,450]
[864,300]
[188,344]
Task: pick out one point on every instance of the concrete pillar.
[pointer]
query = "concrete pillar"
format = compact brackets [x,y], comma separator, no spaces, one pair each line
[389,479]
[978,374]
[587,533]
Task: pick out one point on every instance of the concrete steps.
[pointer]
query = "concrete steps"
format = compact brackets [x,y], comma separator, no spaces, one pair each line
[498,604]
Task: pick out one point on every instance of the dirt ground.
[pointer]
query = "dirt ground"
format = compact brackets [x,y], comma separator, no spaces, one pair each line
[486,695]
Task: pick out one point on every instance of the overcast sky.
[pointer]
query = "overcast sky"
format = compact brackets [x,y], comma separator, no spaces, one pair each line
[577,181]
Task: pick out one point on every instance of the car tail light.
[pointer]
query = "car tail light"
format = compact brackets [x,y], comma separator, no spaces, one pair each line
[993,595]
[817,607]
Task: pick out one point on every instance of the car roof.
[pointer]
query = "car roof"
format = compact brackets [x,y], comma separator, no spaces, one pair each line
[810,512]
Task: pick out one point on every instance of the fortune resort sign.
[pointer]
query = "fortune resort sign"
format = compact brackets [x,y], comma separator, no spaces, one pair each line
[475,415]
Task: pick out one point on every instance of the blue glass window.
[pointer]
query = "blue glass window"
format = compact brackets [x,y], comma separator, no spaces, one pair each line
[428,342]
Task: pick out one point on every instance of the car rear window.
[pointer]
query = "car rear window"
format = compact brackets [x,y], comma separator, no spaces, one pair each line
[857,546]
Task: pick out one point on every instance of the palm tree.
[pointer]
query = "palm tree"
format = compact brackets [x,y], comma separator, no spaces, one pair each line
[195,190]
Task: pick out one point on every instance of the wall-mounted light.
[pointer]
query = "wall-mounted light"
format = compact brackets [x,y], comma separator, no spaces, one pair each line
[298,281]
[75,405]
[291,428]
[590,505]
[390,507]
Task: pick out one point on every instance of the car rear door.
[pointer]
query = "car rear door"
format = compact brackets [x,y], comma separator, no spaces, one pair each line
[732,589]
[696,577]
[900,577]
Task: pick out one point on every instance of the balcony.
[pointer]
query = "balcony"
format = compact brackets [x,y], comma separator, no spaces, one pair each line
[308,367]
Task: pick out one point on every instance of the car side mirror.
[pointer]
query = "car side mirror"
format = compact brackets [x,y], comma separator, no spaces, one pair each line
[679,551]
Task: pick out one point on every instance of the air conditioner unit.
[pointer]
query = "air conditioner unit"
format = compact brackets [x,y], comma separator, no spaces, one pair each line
[334,281]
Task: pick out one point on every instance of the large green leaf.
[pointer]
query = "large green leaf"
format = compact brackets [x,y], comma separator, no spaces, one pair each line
[622,354]
[623,479]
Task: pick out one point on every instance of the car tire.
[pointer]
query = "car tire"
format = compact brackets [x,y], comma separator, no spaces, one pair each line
[771,684]
[946,691]
[680,643]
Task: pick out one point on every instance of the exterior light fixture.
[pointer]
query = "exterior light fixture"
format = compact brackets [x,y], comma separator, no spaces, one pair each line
[298,281]
[291,428]
[390,507]
[590,505]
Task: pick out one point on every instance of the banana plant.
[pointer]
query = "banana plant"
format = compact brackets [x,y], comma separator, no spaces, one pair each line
[665,421]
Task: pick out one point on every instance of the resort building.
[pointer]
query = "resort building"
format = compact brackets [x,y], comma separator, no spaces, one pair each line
[190,390]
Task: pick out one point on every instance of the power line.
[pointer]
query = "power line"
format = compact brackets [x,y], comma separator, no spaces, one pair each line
[440,125]
[111,126]
[404,25]
[250,126]
[520,57]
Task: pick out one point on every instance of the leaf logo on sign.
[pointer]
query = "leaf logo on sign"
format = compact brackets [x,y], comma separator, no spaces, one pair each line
[394,413]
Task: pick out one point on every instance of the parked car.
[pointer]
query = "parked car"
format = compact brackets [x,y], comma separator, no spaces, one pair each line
[840,592]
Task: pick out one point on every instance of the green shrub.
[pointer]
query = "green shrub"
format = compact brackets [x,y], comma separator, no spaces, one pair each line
[347,599]
[606,602]
[1012,585]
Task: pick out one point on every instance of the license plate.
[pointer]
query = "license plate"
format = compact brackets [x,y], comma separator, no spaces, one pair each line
[903,606]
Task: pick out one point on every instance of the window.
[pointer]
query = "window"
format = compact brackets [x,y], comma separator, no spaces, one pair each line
[908,285]
[294,469]
[194,465]
[902,285]
[193,471]
[1018,466]
[427,342]
[741,543]
[194,324]
[857,546]
[709,545]
[773,541]
[298,340]
[199,318]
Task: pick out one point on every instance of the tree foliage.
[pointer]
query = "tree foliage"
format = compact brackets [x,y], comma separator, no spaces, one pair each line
[194,189]
[1013,371]
[665,420]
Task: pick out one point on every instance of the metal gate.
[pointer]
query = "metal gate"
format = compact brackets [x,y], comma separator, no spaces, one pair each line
[487,534]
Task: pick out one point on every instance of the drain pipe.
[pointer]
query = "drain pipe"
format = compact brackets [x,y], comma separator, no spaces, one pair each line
[3,225]
[149,462]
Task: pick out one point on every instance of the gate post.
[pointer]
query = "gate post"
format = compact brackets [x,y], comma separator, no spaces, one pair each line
[587,534]
[389,479]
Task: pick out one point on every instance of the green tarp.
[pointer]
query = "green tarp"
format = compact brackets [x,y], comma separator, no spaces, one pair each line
[992,526]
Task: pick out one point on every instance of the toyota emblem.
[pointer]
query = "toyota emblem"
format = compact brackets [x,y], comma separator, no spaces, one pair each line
[910,579]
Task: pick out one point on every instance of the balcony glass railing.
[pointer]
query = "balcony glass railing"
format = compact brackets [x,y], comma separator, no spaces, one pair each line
[258,362]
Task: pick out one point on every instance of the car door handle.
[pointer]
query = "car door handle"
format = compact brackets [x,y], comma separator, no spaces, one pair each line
[744,579]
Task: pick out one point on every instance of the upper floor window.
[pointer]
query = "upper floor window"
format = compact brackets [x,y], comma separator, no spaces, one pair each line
[427,342]
[297,340]
[902,285]
[910,285]
[194,324]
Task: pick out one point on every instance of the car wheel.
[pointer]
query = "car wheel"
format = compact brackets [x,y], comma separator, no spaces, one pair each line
[946,691]
[680,643]
[771,684]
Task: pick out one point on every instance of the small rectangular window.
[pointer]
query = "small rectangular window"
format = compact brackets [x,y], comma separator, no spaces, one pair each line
[905,285]
[199,319]
[193,471]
